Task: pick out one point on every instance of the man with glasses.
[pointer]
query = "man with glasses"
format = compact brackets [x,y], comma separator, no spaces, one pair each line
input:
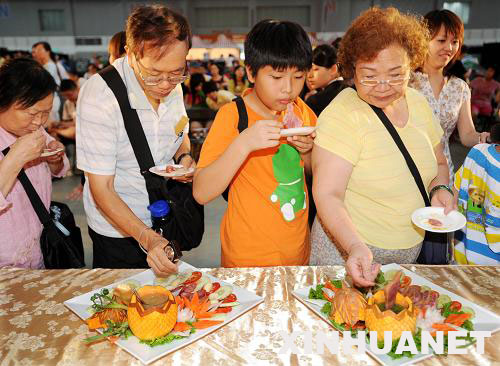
[115,195]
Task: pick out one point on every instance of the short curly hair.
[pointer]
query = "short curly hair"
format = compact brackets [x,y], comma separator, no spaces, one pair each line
[375,30]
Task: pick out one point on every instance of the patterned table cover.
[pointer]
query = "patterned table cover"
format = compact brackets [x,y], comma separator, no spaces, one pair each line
[37,329]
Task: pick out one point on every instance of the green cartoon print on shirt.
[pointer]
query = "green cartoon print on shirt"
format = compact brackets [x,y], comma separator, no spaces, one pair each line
[290,176]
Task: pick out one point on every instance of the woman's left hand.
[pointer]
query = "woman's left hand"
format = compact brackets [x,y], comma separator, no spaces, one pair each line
[56,158]
[188,163]
[443,198]
[303,144]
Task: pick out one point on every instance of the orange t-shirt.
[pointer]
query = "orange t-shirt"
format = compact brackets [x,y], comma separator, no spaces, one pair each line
[266,220]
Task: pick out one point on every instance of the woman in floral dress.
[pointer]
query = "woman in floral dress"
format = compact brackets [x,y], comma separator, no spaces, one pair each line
[448,95]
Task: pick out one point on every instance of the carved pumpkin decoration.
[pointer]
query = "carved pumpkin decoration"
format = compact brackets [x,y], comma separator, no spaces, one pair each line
[386,320]
[154,314]
[348,306]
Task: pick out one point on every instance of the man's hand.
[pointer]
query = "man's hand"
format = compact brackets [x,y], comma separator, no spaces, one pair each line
[157,258]
[189,164]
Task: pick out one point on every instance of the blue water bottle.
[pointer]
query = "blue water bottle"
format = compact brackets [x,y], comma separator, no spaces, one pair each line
[160,211]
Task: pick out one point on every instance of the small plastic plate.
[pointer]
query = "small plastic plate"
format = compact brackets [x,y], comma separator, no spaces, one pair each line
[160,170]
[452,222]
[298,131]
[49,152]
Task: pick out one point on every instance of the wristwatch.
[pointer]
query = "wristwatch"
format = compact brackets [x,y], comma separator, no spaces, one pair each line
[172,250]
[438,187]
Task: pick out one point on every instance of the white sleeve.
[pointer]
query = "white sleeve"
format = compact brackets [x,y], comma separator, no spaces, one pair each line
[97,121]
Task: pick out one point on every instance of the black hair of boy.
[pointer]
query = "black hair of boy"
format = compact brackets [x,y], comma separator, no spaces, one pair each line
[279,44]
[324,56]
[67,84]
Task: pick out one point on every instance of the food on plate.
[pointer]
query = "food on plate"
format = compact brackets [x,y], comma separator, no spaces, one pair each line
[393,304]
[434,222]
[398,317]
[291,120]
[178,169]
[348,306]
[173,308]
[152,312]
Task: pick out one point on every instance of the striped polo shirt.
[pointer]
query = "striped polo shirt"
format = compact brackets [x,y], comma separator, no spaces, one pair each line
[478,183]
[103,146]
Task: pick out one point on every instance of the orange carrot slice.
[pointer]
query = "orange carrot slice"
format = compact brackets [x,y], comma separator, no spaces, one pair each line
[181,327]
[443,327]
[202,324]
[94,323]
[330,286]
[457,319]
[179,302]
[195,302]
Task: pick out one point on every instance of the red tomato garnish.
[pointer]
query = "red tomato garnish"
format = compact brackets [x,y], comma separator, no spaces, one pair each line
[455,306]
[195,276]
[359,325]
[215,287]
[230,298]
[406,281]
[223,310]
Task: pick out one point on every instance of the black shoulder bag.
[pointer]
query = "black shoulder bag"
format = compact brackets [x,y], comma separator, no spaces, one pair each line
[187,225]
[434,248]
[242,125]
[61,240]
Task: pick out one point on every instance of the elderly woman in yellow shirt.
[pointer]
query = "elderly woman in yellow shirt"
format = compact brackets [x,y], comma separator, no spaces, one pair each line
[363,188]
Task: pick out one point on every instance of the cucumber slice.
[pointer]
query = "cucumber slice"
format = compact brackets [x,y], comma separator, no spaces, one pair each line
[181,277]
[165,281]
[208,286]
[443,299]
[228,304]
[201,283]
[221,293]
[469,310]
[425,288]
[389,275]
[220,316]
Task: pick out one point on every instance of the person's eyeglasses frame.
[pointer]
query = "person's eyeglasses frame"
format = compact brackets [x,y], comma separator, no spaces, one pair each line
[392,82]
[173,80]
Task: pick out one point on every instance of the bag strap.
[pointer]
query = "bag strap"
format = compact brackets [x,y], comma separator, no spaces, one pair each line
[409,161]
[134,130]
[36,201]
[242,114]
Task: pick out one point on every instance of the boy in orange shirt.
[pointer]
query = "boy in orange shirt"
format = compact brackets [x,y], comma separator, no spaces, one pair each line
[266,220]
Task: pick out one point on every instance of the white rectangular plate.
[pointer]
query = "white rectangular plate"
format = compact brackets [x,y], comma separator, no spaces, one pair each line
[145,353]
[485,320]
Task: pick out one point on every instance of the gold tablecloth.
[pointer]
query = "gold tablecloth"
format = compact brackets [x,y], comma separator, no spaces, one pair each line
[37,329]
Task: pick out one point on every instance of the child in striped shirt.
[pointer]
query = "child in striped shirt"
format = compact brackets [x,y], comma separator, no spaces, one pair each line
[477,183]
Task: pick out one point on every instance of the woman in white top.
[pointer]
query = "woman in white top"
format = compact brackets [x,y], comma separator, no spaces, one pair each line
[448,95]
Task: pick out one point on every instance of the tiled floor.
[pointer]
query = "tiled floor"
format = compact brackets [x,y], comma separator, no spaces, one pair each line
[208,253]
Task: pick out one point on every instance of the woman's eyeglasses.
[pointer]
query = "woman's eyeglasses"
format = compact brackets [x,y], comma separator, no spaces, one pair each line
[374,82]
[155,80]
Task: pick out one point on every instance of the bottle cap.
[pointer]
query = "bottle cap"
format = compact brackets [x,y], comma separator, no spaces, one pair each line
[159,209]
